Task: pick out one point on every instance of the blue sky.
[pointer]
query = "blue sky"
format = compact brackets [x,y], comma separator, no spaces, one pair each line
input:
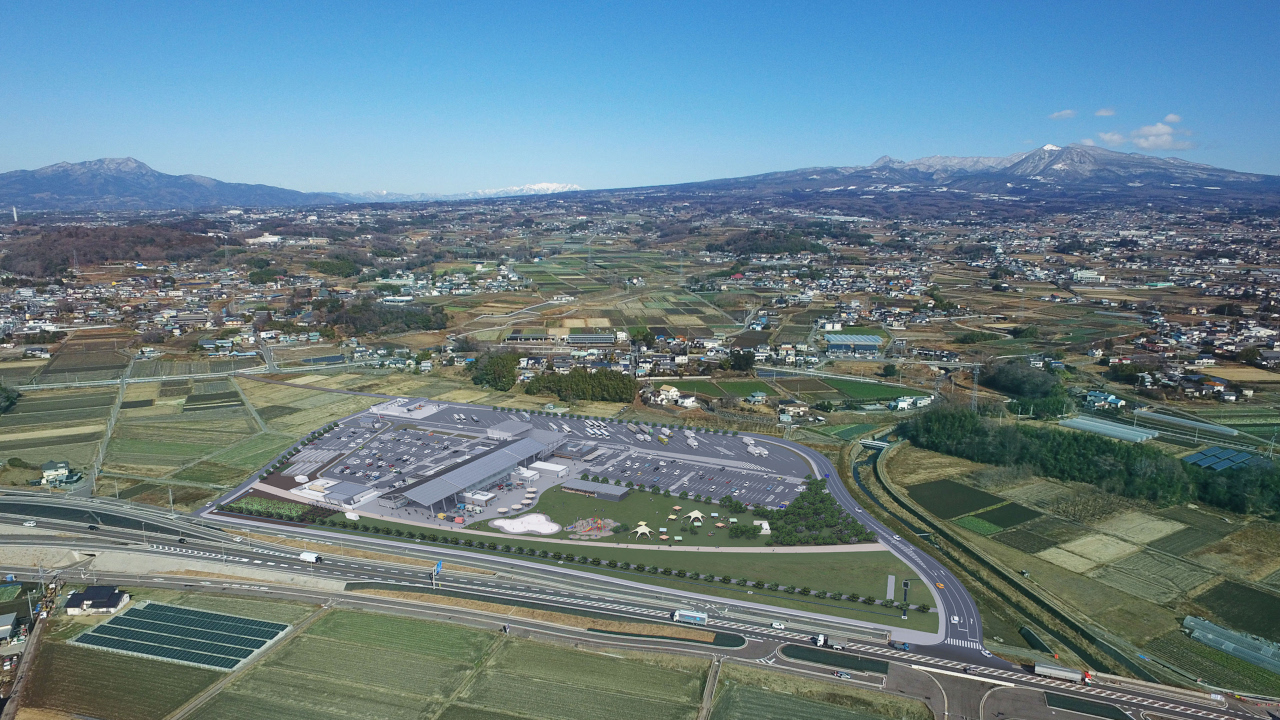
[420,97]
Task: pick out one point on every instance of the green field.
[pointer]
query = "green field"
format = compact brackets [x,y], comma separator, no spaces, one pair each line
[847,432]
[863,573]
[949,499]
[211,473]
[282,612]
[111,686]
[394,633]
[253,453]
[545,681]
[978,525]
[1008,515]
[744,388]
[699,387]
[857,390]
[566,508]
[1215,666]
[1244,609]
[356,666]
[747,703]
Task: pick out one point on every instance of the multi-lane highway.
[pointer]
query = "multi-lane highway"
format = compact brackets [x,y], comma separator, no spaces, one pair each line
[498,579]
[724,462]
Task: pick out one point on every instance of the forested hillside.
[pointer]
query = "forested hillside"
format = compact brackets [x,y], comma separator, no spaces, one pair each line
[1128,469]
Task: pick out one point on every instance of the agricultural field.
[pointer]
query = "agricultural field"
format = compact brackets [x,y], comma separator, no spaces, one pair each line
[1244,608]
[744,388]
[302,680]
[111,686]
[157,446]
[290,613]
[1132,567]
[1213,665]
[948,498]
[698,387]
[552,682]
[752,694]
[56,425]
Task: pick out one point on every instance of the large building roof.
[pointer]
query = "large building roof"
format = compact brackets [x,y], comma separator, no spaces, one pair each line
[452,480]
[834,339]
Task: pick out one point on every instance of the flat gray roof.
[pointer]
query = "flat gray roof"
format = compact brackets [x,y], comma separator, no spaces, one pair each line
[605,490]
[452,480]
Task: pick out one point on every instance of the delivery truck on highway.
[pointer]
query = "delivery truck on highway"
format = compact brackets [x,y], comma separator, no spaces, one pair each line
[1058,672]
[690,616]
[309,557]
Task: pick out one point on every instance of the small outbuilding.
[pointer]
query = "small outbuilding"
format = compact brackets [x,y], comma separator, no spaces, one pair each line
[97,600]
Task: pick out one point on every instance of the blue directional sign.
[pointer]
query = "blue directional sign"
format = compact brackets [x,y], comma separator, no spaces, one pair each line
[439,567]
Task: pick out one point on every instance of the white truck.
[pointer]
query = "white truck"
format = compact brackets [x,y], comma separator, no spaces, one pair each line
[310,557]
[1058,672]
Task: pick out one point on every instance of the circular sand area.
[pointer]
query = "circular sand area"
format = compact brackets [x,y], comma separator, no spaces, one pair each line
[531,524]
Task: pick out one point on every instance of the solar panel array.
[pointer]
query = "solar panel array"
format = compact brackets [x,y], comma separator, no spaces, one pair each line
[1220,458]
[177,634]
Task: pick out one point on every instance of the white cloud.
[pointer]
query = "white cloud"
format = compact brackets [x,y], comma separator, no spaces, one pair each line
[1111,138]
[1088,141]
[1105,112]
[1172,118]
[1160,137]
[1063,115]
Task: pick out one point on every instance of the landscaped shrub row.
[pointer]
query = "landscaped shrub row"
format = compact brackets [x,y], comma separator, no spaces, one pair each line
[276,509]
[612,564]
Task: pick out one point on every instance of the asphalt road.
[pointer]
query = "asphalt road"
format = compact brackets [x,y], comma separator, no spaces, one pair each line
[950,687]
[719,455]
[965,635]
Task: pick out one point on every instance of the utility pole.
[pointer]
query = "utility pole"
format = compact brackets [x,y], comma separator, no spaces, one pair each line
[973,396]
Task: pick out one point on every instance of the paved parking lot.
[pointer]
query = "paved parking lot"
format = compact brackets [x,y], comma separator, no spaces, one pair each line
[382,452]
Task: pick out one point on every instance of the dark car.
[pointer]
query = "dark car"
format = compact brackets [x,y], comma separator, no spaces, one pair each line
[182,541]
[93,527]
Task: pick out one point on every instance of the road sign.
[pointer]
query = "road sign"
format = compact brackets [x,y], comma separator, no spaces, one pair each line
[906,584]
[439,567]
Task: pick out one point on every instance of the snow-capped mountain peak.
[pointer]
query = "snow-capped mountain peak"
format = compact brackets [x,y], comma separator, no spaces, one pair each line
[544,188]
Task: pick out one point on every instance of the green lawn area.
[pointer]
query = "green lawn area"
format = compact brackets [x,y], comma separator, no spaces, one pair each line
[847,432]
[744,388]
[869,391]
[863,573]
[701,387]
[567,508]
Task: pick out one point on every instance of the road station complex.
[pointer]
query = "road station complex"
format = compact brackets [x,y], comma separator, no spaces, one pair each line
[421,460]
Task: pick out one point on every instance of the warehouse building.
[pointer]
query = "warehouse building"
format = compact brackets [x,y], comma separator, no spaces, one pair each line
[853,343]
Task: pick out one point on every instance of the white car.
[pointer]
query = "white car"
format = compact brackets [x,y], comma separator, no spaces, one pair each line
[29,523]
[777,626]
[955,620]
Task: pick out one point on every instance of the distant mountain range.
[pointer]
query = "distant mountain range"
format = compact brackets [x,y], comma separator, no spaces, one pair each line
[129,184]
[515,191]
[1056,177]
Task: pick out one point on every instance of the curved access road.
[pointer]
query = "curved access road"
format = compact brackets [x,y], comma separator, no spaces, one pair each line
[965,634]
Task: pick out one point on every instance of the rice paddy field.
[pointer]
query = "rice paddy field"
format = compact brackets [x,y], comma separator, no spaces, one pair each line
[1132,567]
[352,665]
[56,425]
[111,686]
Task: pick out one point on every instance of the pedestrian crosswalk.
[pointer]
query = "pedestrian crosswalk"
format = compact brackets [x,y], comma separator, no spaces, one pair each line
[964,643]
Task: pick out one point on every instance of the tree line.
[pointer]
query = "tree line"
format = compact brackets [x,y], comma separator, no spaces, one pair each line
[1127,469]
